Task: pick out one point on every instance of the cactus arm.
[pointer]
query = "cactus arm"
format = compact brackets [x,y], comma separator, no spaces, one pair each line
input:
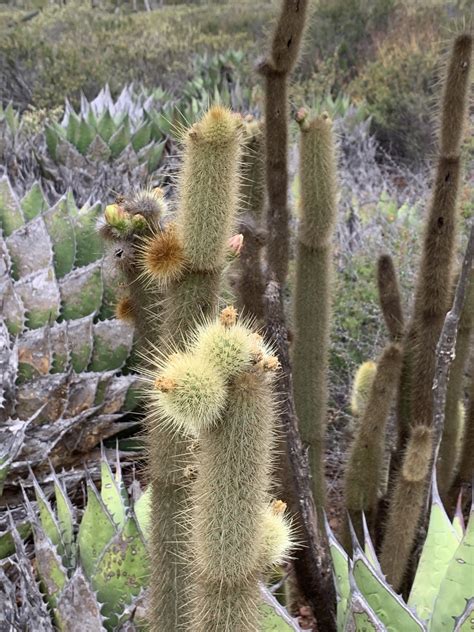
[389,297]
[365,465]
[431,304]
[313,290]
[275,70]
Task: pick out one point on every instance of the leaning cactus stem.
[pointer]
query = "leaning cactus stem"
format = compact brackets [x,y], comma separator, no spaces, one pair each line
[313,289]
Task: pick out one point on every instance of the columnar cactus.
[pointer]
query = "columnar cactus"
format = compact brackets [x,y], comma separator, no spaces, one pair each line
[312,302]
[276,70]
[219,390]
[432,296]
[194,254]
[250,284]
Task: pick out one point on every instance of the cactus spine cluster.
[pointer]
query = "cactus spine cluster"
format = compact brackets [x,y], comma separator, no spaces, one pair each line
[234,533]
[432,296]
[312,302]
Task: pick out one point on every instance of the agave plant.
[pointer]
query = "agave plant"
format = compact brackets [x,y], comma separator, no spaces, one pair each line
[92,573]
[61,353]
[440,599]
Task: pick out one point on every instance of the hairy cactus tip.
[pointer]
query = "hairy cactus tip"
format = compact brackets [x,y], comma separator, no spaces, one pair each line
[188,394]
[278,534]
[231,346]
[218,126]
[362,385]
[162,256]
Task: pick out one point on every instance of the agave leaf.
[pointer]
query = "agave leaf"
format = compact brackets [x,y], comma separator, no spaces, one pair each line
[106,126]
[95,531]
[109,299]
[89,245]
[111,491]
[369,548]
[142,511]
[30,248]
[341,574]
[77,608]
[440,545]
[60,347]
[52,137]
[80,342]
[11,215]
[82,393]
[112,344]
[72,129]
[272,622]
[65,516]
[13,310]
[85,136]
[39,295]
[29,611]
[34,202]
[154,156]
[34,354]
[387,605]
[465,621]
[360,617]
[120,140]
[48,520]
[7,542]
[81,291]
[50,568]
[98,150]
[457,586]
[275,618]
[141,137]
[61,231]
[121,571]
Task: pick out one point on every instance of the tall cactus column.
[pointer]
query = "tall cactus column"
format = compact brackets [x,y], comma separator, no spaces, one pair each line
[313,290]
[431,304]
[193,253]
[220,391]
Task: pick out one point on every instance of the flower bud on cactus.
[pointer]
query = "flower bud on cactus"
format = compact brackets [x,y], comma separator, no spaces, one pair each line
[278,537]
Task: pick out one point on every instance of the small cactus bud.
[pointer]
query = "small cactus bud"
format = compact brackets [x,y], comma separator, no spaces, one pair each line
[235,243]
[138,222]
[124,309]
[116,217]
[228,316]
[164,384]
[278,507]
